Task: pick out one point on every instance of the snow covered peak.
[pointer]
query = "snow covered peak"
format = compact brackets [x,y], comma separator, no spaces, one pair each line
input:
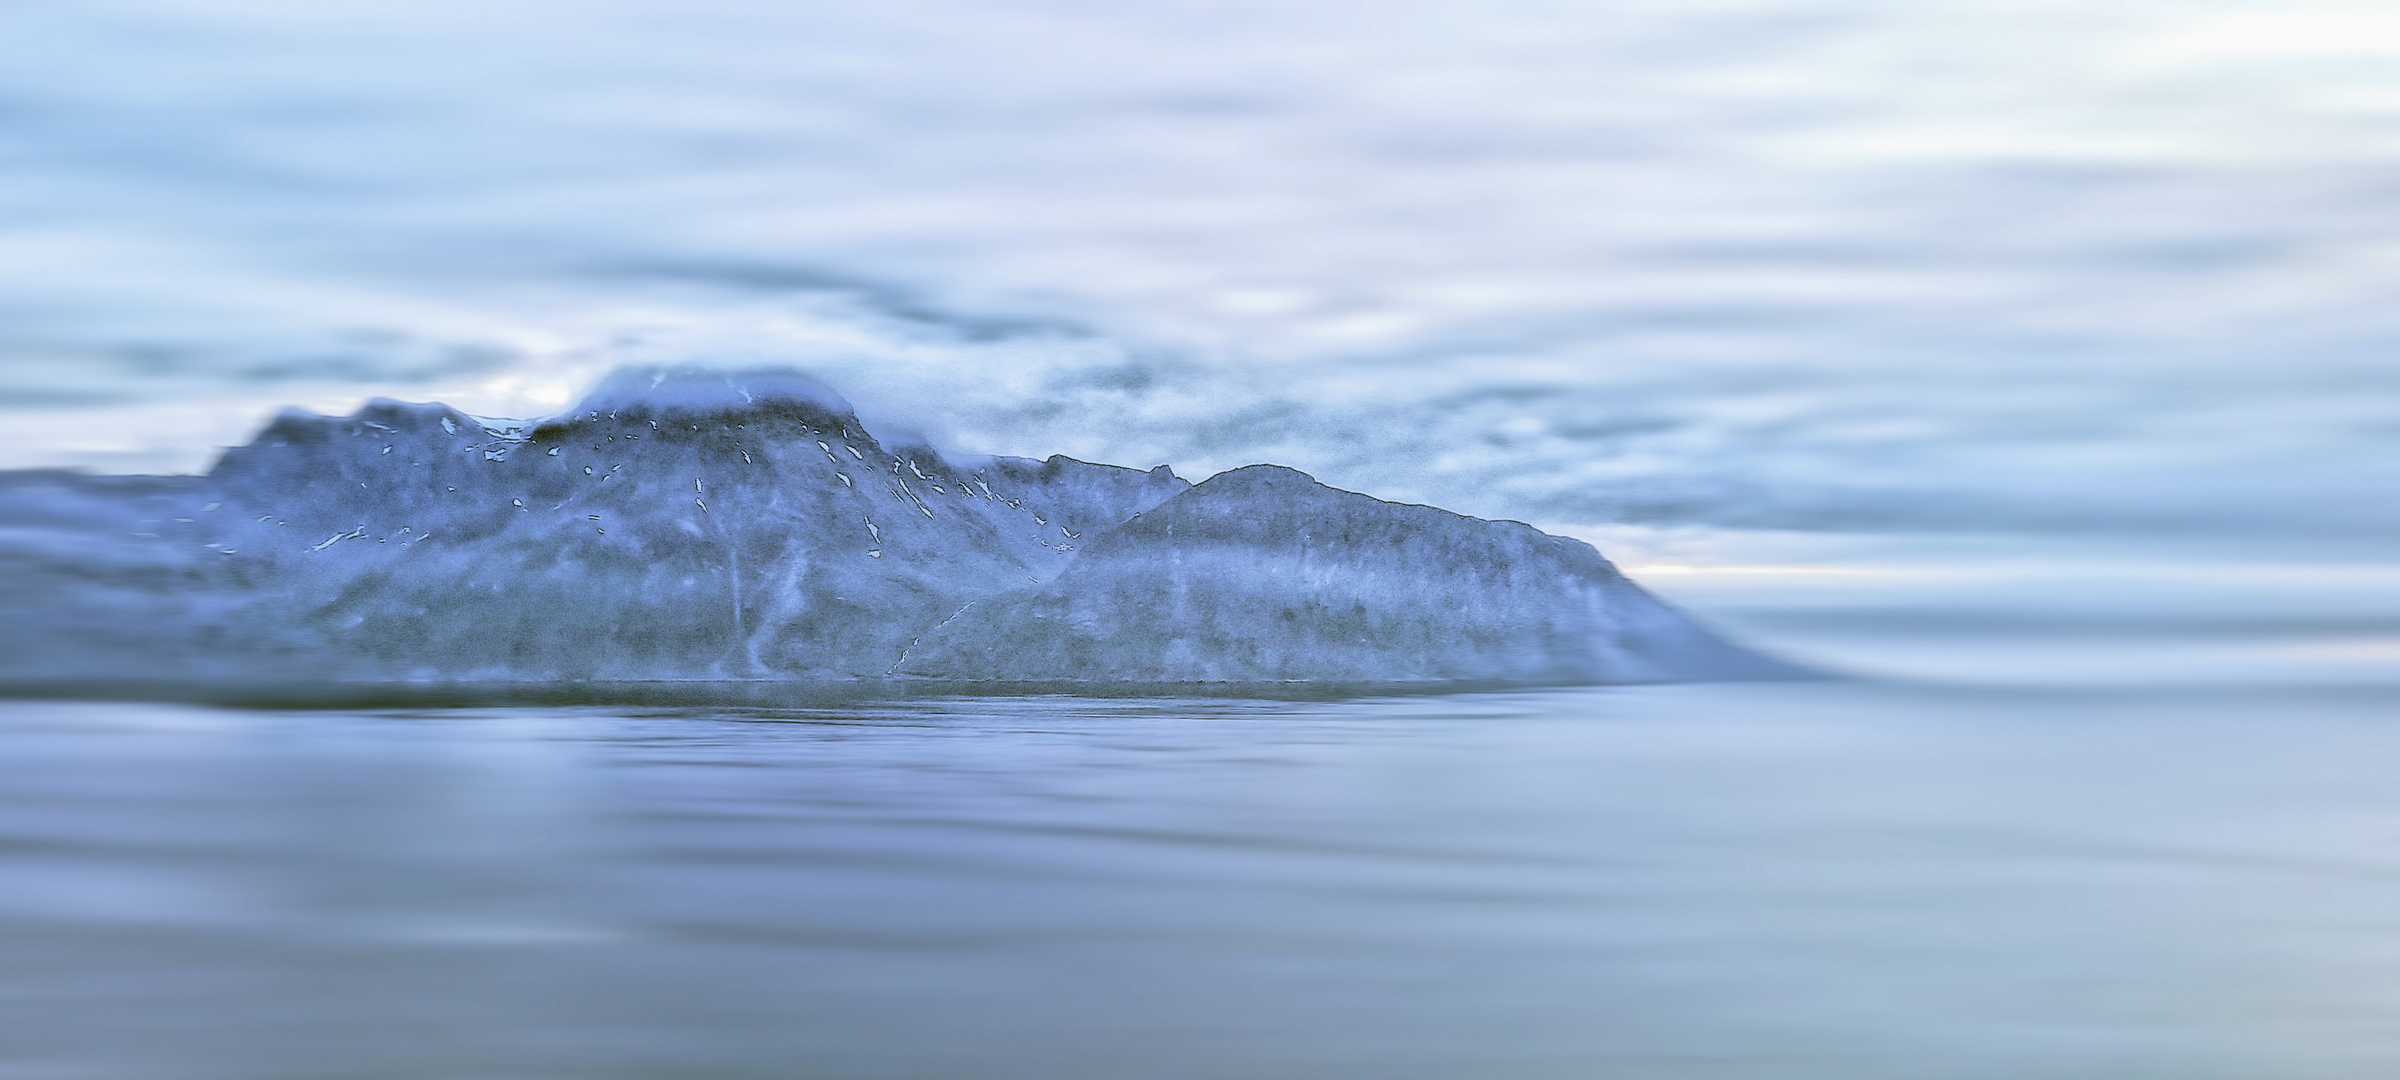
[1250,477]
[690,388]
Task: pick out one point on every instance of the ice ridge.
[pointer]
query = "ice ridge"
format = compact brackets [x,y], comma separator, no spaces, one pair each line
[685,523]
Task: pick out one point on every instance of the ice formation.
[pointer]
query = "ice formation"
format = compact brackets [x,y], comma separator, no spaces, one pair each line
[686,523]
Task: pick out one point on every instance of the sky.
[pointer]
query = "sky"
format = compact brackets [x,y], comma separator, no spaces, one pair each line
[1951,268]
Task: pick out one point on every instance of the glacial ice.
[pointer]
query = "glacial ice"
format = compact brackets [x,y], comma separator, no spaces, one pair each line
[1262,575]
[698,524]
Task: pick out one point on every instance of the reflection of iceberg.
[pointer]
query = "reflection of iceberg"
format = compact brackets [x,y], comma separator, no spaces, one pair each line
[690,524]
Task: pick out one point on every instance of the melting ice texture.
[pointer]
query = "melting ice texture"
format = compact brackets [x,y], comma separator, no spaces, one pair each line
[695,523]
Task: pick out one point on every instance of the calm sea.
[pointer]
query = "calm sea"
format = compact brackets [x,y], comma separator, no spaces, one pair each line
[1904,876]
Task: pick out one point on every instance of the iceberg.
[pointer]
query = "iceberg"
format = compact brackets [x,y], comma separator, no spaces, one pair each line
[1263,575]
[686,523]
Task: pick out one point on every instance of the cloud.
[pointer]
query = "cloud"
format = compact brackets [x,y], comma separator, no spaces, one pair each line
[1951,265]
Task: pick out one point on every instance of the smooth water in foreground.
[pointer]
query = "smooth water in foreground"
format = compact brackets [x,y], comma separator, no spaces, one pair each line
[1846,880]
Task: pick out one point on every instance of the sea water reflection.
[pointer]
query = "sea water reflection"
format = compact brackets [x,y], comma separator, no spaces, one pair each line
[1852,880]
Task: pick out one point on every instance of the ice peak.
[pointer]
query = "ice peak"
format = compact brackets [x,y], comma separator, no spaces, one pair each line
[691,388]
[1262,476]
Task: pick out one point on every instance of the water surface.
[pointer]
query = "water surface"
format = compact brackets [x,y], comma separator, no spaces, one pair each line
[1843,880]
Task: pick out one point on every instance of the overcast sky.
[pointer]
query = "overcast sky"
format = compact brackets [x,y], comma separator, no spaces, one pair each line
[1949,264]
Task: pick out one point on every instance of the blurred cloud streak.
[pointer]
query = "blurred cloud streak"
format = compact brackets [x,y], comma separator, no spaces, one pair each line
[1748,263]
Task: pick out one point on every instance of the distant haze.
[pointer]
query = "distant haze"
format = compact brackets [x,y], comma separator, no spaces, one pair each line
[1965,265]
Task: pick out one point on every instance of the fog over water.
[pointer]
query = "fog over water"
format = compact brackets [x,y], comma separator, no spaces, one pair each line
[2032,360]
